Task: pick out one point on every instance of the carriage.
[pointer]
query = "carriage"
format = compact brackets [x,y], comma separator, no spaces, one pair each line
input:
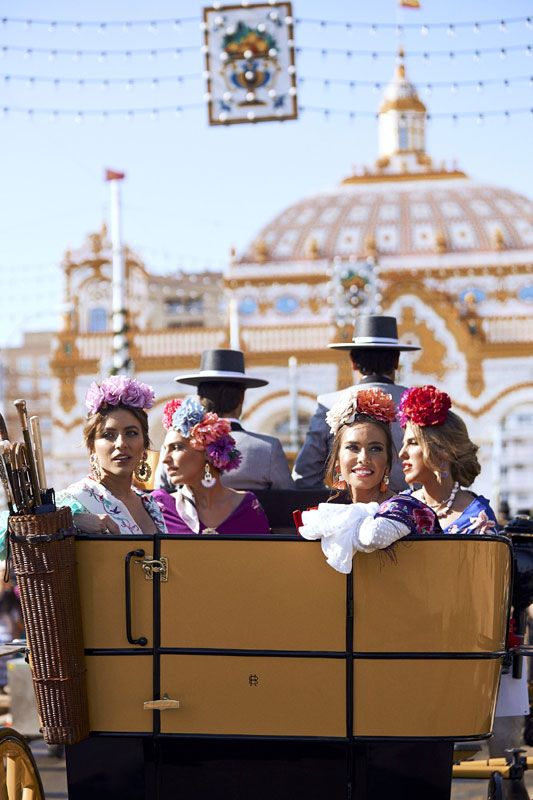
[238,667]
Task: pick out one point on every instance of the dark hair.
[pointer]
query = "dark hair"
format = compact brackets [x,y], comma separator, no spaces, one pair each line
[329,477]
[96,421]
[377,361]
[221,397]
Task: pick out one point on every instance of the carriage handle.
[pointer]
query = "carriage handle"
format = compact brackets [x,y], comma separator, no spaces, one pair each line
[142,640]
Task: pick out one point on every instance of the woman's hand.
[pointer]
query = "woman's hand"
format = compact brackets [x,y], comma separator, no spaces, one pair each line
[96,523]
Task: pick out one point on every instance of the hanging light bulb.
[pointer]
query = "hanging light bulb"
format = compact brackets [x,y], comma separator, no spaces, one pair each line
[479,86]
[373,30]
[503,26]
[79,117]
[480,119]
[477,27]
[503,53]
[424,30]
[477,55]
[450,30]
[102,28]
[52,27]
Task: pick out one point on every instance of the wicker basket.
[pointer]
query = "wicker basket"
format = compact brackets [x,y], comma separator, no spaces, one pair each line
[44,561]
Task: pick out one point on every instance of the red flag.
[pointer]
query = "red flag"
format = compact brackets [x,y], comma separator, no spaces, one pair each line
[111,175]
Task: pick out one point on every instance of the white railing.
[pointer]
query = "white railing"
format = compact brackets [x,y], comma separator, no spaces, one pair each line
[508,329]
[191,341]
[306,337]
[180,342]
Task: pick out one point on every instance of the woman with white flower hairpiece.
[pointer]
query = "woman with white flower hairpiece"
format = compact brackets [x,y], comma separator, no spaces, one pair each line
[116,436]
[359,465]
[198,448]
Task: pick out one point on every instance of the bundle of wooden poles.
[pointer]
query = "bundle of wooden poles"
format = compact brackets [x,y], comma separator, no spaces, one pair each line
[42,551]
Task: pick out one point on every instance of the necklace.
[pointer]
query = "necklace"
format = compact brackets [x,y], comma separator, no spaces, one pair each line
[445,505]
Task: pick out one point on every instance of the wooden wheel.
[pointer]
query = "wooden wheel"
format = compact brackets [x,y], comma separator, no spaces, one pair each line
[19,777]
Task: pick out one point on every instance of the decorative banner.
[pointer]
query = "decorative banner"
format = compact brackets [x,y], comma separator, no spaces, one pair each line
[251,74]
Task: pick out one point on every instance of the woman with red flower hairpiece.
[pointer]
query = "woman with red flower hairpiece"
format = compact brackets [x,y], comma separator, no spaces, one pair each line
[372,518]
[438,453]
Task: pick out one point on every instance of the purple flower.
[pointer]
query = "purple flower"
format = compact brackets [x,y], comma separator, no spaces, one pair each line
[119,389]
[219,452]
[189,414]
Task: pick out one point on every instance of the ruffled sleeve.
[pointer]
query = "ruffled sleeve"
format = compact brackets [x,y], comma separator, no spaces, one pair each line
[407,510]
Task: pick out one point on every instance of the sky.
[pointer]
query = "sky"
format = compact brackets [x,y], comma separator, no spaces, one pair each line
[193,191]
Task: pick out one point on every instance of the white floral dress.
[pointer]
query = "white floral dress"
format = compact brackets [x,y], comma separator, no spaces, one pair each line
[90,497]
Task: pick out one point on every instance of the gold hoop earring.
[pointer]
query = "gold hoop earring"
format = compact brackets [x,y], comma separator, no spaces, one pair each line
[143,471]
[96,472]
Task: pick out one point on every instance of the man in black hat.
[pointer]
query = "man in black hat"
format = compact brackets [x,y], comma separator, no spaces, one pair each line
[374,352]
[221,383]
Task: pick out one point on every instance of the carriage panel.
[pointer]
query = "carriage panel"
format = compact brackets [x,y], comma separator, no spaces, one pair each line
[118,687]
[100,565]
[254,696]
[449,595]
[251,595]
[453,698]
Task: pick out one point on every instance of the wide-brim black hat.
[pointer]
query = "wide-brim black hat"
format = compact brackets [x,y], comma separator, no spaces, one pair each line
[373,331]
[221,365]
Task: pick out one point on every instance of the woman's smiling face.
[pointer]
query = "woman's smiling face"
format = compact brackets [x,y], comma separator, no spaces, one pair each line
[363,459]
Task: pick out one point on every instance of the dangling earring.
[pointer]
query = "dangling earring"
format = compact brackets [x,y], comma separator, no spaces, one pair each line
[208,481]
[95,467]
[443,473]
[143,470]
[384,483]
[340,483]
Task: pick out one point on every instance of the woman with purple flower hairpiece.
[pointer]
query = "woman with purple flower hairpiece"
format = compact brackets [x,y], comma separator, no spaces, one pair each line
[116,436]
[198,448]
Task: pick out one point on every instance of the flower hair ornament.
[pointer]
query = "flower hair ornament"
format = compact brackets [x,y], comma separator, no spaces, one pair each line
[205,431]
[119,390]
[374,403]
[424,406]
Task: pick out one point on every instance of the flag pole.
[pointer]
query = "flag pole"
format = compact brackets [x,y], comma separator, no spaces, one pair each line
[121,354]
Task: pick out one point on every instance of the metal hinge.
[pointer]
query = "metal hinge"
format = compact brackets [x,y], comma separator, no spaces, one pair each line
[150,565]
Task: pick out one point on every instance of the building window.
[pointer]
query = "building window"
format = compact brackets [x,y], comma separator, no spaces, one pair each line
[97,320]
[248,305]
[185,305]
[287,304]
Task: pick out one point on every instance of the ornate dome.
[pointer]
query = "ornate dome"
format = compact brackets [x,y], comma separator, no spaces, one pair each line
[403,206]
[398,217]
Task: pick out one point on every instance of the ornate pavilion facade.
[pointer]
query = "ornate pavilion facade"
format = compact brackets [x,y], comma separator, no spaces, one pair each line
[449,257]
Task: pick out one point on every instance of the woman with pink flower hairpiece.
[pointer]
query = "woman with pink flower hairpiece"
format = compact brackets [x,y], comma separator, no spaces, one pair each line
[116,436]
[372,518]
[438,454]
[198,448]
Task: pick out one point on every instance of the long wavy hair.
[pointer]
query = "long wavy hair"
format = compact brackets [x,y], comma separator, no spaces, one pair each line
[450,442]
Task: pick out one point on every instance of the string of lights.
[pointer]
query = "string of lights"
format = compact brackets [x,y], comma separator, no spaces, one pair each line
[156,80]
[154,52]
[153,25]
[451,28]
[154,112]
[527,49]
[454,86]
[128,83]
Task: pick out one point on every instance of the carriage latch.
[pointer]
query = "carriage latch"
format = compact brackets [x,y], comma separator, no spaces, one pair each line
[153,565]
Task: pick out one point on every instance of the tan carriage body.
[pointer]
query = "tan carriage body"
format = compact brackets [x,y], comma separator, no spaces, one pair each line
[261,638]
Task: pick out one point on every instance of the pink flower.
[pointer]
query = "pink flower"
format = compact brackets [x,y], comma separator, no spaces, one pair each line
[119,390]
[424,405]
[211,428]
[424,520]
[168,412]
[376,403]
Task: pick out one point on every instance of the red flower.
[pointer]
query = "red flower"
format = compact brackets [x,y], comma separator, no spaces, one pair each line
[423,405]
[168,412]
[424,520]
